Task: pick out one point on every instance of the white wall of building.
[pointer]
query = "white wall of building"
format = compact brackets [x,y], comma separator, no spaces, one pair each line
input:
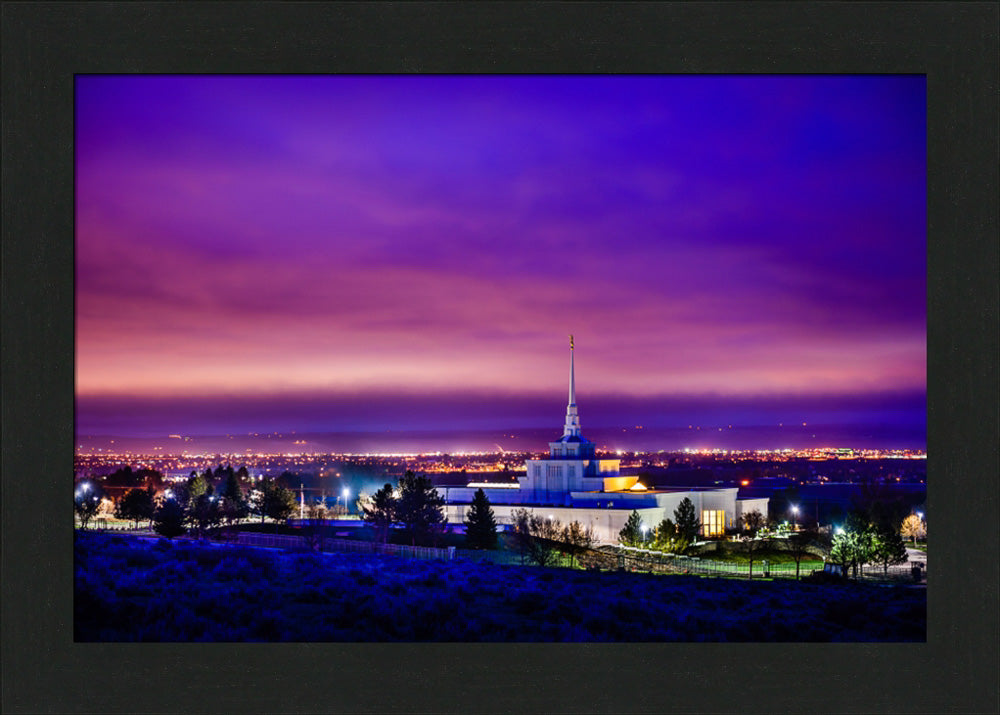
[745,506]
[606,512]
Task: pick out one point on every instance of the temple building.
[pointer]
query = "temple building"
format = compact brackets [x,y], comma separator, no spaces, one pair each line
[573,484]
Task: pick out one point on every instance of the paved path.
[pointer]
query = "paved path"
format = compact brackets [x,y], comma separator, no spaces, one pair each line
[917,555]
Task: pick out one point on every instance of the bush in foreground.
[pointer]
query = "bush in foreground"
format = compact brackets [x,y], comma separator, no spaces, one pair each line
[130,589]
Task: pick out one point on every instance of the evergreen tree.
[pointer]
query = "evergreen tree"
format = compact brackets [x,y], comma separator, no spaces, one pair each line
[420,509]
[668,539]
[631,533]
[480,524]
[198,485]
[136,505]
[169,518]
[380,512]
[234,505]
[687,520]
[888,546]
[278,502]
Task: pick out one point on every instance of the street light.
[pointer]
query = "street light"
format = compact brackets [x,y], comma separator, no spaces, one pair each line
[839,530]
[644,530]
[920,515]
[795,514]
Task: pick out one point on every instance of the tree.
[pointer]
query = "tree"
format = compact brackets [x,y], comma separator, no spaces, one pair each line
[380,511]
[752,521]
[287,479]
[914,528]
[198,485]
[666,538]
[278,503]
[169,517]
[888,546]
[86,501]
[420,509]
[255,501]
[687,520]
[136,505]
[631,533]
[577,539]
[205,513]
[535,536]
[480,523]
[853,546]
[234,504]
[797,542]
[317,510]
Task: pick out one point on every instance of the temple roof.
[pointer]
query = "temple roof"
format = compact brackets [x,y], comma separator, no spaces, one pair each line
[574,438]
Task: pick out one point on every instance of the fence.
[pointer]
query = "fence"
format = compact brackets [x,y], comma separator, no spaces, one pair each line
[632,559]
[661,563]
[896,572]
[282,541]
[501,558]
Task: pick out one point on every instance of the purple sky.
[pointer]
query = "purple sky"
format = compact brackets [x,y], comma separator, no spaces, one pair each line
[340,242]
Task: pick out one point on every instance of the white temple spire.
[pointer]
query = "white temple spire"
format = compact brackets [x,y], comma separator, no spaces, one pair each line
[572,427]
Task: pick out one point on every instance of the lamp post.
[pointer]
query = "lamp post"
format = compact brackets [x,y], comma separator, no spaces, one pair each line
[346,492]
[795,515]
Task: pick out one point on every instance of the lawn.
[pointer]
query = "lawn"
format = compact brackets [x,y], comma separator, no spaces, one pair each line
[809,561]
[134,589]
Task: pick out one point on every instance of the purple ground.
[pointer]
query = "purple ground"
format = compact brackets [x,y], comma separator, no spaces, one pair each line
[130,589]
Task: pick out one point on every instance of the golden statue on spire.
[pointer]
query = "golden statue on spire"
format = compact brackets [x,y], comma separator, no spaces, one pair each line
[570,342]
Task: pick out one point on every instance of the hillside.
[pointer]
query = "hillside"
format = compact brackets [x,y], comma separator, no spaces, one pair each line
[130,589]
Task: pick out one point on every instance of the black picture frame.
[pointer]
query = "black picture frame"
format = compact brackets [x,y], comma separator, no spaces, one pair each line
[44,45]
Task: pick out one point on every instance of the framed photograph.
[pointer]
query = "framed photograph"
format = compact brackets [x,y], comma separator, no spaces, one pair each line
[565,338]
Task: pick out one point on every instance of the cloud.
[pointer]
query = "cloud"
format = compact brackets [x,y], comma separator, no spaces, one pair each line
[733,235]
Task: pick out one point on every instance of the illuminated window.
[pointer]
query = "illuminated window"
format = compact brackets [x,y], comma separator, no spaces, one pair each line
[713,522]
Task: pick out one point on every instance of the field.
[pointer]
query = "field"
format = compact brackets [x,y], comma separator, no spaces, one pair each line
[132,589]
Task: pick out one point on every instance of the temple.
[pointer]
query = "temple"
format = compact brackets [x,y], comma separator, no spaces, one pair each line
[574,484]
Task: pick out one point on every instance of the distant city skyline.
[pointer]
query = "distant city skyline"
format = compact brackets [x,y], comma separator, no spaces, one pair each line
[412,252]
